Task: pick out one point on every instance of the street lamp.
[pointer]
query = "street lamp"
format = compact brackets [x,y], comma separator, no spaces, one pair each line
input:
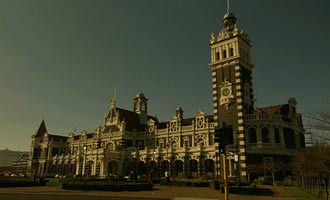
[134,156]
[217,156]
[168,145]
[84,160]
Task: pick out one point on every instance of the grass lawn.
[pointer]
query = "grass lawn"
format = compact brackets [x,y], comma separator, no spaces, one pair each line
[297,192]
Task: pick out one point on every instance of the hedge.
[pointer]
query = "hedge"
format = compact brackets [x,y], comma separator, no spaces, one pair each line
[187,183]
[4,182]
[101,186]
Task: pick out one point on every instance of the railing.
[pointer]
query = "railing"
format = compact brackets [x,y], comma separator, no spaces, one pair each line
[187,128]
[252,117]
[264,145]
[162,130]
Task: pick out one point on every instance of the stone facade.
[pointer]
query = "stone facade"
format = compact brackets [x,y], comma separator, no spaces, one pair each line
[184,147]
[134,141]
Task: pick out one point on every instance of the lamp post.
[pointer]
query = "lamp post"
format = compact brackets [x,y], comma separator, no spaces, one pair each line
[84,159]
[237,170]
[152,171]
[217,155]
[133,154]
[169,160]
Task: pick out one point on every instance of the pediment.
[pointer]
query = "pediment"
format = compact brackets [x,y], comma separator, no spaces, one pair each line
[200,113]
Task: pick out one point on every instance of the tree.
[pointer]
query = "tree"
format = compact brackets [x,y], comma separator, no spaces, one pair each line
[312,167]
[319,123]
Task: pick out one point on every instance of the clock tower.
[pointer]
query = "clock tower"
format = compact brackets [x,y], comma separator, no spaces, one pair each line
[231,68]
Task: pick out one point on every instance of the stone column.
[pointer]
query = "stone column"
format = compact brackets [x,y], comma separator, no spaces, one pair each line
[78,163]
[94,166]
[282,142]
[272,137]
[259,137]
[103,167]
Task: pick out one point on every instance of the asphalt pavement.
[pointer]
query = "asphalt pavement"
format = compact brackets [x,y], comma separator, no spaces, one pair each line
[158,193]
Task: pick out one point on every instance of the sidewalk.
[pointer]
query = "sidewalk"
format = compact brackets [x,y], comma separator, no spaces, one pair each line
[160,192]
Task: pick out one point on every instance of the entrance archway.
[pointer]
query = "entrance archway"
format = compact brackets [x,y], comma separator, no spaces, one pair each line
[141,168]
[113,167]
[89,168]
[209,165]
[178,167]
[193,168]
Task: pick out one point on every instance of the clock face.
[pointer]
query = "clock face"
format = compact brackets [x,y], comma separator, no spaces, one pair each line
[225,92]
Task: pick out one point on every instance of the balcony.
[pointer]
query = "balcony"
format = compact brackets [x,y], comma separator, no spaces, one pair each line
[267,148]
[262,116]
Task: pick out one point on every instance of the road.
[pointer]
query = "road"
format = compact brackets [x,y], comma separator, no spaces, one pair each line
[65,197]
[157,193]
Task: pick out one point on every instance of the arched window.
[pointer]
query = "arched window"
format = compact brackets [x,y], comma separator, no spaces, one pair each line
[252,135]
[265,135]
[201,141]
[277,135]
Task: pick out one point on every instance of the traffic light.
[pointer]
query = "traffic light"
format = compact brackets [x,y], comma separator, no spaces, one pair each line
[222,148]
[217,135]
[226,135]
[223,136]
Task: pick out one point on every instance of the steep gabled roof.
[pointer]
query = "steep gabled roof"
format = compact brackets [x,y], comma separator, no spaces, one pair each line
[277,109]
[41,130]
[132,120]
[184,122]
[271,109]
[162,125]
[57,138]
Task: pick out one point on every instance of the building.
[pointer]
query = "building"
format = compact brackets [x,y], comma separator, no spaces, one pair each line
[134,141]
[15,168]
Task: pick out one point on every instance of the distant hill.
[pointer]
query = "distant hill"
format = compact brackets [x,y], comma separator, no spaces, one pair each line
[8,156]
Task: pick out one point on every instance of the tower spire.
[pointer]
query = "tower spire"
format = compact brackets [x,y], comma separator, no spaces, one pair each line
[114,93]
[228,6]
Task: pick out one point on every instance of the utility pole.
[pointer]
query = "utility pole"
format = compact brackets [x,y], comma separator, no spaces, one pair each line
[225,177]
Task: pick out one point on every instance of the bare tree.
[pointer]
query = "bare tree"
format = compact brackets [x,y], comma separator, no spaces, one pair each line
[319,123]
[312,168]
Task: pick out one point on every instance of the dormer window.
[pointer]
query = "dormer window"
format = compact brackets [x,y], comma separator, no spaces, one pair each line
[137,107]
[143,106]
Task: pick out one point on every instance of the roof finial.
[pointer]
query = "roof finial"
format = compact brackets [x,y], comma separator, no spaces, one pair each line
[115,93]
[228,6]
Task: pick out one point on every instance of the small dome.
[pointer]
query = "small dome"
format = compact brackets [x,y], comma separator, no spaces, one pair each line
[229,15]
[178,108]
[140,95]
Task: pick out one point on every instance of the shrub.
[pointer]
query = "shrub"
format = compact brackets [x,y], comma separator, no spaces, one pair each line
[19,182]
[193,183]
[103,186]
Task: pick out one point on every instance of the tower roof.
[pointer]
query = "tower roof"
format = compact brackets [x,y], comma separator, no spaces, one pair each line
[229,15]
[42,129]
[140,95]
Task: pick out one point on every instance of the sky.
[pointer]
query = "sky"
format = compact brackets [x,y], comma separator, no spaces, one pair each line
[61,60]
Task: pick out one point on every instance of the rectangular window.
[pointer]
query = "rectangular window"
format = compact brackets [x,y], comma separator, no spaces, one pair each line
[186,143]
[277,135]
[217,55]
[231,52]
[224,54]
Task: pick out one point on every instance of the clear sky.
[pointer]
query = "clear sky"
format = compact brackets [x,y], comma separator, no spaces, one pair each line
[61,59]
